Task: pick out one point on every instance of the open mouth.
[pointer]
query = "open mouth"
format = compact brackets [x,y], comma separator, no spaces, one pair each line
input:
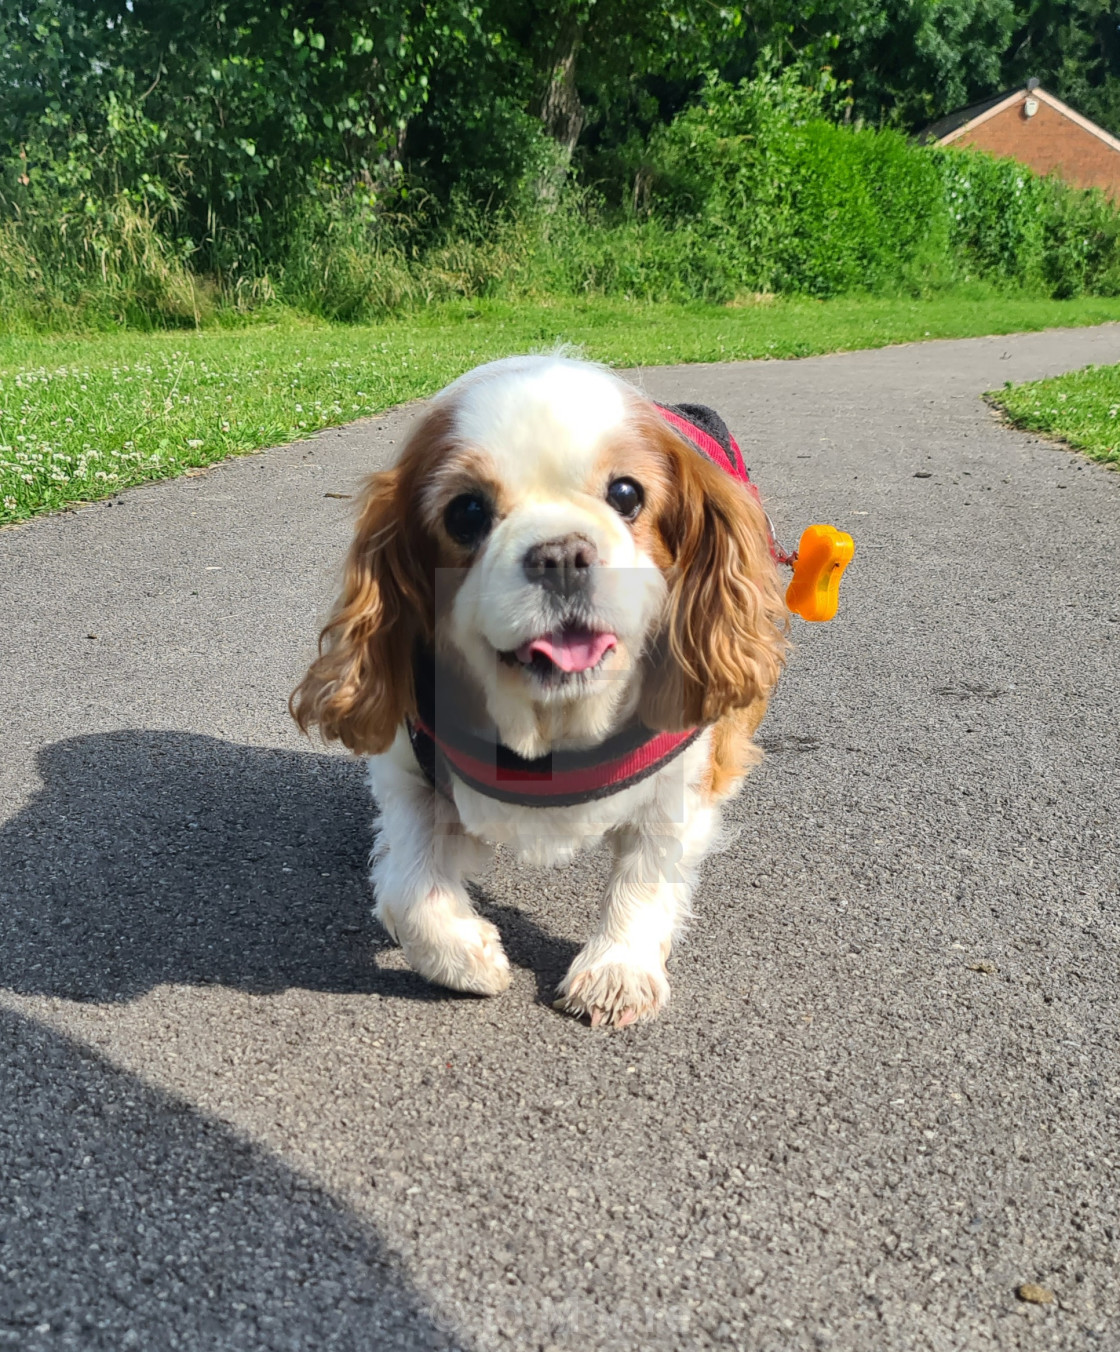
[563,653]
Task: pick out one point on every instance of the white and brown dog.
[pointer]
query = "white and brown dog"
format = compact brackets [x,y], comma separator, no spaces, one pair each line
[560,621]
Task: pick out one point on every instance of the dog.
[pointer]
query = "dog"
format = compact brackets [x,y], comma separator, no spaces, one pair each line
[560,622]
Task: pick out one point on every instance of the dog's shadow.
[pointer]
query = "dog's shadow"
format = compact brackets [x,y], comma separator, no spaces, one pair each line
[528,945]
[153,857]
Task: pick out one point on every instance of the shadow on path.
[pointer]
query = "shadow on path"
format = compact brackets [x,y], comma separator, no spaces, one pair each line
[129,1220]
[152,857]
[527,945]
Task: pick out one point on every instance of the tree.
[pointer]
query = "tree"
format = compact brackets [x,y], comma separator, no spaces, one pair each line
[1073,48]
[233,109]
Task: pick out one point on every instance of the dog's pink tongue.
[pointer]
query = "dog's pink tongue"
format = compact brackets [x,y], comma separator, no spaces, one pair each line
[570,651]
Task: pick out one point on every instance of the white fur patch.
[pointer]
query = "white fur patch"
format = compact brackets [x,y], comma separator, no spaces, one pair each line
[541,419]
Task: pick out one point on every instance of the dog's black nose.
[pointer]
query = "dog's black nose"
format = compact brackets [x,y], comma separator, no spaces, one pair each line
[562,566]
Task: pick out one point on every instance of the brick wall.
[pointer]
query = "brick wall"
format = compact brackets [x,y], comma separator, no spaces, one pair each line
[1050,143]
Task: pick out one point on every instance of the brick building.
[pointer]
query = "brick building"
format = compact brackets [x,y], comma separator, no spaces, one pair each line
[1034,127]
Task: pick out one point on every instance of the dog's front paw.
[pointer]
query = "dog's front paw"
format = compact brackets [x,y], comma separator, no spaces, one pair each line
[612,988]
[449,948]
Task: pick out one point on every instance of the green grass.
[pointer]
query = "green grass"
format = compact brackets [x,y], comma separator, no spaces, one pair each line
[82,417]
[1081,409]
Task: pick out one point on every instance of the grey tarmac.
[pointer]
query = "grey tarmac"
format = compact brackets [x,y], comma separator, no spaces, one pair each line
[886,1092]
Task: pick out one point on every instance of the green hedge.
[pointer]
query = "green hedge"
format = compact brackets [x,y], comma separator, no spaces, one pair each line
[795,203]
[1007,224]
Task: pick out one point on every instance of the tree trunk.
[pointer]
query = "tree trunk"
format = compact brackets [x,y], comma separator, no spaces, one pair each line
[560,108]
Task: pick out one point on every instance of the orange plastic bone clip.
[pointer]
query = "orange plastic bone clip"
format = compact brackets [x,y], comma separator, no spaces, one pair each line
[822,556]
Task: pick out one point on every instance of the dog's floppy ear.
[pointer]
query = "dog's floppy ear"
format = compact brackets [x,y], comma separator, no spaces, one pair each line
[723,640]
[360,687]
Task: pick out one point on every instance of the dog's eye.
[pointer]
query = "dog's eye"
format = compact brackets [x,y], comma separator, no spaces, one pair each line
[468,519]
[626,497]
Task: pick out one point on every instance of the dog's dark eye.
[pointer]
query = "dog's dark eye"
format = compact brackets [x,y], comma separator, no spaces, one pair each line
[626,497]
[468,519]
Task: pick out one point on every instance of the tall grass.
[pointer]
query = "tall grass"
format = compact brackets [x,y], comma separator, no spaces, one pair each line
[99,265]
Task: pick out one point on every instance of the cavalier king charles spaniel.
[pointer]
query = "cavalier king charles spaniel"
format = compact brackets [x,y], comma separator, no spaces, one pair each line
[560,622]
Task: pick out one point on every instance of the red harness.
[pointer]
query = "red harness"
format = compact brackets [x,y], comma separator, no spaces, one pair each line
[444,748]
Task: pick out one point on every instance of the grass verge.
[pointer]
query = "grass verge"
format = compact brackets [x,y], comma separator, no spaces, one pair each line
[83,417]
[1082,409]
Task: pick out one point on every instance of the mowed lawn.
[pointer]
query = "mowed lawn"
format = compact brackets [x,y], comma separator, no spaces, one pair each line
[1082,409]
[82,417]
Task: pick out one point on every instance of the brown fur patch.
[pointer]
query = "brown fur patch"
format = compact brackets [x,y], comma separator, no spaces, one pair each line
[359,689]
[631,454]
[724,638]
[733,752]
[461,469]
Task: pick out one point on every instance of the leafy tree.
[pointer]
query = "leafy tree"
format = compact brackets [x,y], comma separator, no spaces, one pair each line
[1073,48]
[909,61]
[232,110]
[588,72]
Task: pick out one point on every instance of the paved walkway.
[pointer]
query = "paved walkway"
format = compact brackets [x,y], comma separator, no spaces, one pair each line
[886,1091]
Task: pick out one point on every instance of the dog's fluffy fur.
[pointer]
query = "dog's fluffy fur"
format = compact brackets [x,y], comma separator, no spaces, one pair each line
[687,591]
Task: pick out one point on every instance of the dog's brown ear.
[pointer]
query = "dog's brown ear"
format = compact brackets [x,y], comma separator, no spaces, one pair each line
[724,636]
[360,687]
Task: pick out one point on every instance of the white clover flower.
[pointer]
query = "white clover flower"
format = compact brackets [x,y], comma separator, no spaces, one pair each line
[194,445]
[10,504]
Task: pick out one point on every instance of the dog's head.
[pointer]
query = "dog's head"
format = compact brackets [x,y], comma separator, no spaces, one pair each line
[567,553]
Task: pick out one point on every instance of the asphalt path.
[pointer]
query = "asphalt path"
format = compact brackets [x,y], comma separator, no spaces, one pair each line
[886,1091]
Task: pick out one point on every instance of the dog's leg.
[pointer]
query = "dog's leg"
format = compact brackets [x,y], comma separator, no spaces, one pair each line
[619,978]
[419,862]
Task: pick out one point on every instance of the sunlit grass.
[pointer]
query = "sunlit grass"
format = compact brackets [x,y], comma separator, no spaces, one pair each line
[82,417]
[1081,409]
